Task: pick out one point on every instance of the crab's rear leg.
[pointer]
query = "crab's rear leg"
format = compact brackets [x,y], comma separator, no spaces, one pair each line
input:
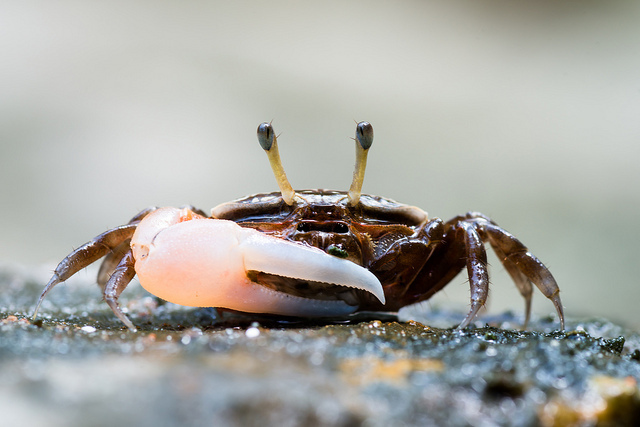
[86,255]
[523,284]
[524,267]
[114,244]
[111,243]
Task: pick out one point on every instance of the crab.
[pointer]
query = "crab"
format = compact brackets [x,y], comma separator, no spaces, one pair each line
[308,253]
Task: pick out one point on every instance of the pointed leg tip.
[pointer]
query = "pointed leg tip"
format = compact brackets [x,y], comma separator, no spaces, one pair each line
[113,304]
[561,317]
[466,322]
[35,310]
[558,305]
[55,280]
[38,304]
[124,319]
[475,309]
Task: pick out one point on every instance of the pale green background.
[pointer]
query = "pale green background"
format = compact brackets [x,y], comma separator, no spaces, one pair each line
[527,111]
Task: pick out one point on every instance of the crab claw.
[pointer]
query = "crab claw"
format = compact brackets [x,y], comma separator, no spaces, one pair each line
[204,262]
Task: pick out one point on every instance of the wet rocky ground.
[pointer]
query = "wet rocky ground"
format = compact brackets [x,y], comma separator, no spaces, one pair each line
[77,365]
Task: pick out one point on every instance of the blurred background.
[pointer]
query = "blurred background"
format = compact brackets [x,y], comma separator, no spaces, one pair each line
[526,111]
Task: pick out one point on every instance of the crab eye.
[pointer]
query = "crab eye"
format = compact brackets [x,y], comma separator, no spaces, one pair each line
[269,143]
[265,136]
[364,139]
[364,135]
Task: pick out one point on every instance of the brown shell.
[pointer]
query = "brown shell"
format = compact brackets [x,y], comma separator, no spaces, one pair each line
[319,205]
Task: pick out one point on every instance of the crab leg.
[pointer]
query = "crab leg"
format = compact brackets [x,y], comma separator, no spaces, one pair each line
[118,281]
[523,284]
[207,263]
[86,255]
[517,256]
[111,261]
[113,258]
[477,271]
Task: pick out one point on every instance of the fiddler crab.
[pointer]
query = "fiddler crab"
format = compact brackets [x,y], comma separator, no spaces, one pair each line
[310,253]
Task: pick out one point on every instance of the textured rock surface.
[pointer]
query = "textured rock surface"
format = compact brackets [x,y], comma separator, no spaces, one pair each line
[77,365]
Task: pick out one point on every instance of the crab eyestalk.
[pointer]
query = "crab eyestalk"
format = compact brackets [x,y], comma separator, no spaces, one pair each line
[269,143]
[364,139]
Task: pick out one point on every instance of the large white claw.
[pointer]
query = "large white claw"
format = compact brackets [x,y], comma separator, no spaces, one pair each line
[283,258]
[204,263]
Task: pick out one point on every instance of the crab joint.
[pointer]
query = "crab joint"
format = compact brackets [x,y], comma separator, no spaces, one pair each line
[364,139]
[269,143]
